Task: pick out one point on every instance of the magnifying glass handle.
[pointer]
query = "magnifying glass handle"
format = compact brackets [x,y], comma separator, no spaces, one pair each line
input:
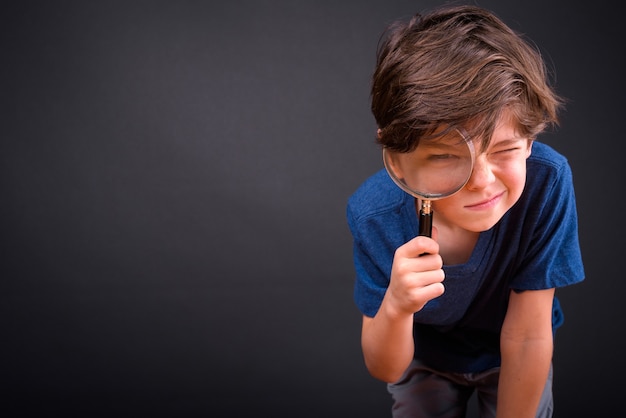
[426,219]
[426,224]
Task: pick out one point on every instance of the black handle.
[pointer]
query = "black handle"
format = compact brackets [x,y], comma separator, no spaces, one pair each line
[426,223]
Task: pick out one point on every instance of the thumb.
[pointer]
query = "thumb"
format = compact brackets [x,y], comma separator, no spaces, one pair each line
[435,233]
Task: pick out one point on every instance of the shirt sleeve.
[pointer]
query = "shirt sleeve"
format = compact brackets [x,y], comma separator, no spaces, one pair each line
[552,257]
[371,280]
[379,218]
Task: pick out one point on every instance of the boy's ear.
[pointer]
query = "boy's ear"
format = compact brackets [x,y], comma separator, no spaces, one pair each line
[530,148]
[379,133]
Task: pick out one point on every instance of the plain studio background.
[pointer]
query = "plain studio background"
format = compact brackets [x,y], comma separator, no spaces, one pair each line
[173,185]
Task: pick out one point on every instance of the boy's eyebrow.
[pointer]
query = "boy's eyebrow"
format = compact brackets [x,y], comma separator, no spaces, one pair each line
[443,145]
[446,141]
[507,141]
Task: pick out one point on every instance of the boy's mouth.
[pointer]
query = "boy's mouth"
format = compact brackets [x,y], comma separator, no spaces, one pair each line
[486,203]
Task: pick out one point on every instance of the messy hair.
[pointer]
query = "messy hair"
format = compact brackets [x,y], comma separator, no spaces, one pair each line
[457,67]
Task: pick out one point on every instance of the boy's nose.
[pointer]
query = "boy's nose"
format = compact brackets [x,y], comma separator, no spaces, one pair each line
[482,174]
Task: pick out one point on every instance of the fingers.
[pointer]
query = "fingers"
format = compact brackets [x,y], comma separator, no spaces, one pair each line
[417,263]
[417,274]
[411,287]
[418,246]
[420,297]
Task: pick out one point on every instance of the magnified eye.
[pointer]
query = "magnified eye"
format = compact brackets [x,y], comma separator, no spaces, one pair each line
[435,168]
[442,156]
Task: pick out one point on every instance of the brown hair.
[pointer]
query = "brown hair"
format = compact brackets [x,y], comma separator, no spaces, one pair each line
[457,67]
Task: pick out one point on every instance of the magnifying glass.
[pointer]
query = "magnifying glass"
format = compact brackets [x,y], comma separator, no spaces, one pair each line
[437,168]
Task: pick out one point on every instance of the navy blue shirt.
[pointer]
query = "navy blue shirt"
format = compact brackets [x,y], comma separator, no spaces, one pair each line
[534,246]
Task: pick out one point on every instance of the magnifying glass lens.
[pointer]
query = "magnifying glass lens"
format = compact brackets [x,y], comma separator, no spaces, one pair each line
[435,169]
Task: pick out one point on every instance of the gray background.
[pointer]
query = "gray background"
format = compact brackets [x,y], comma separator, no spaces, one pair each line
[173,185]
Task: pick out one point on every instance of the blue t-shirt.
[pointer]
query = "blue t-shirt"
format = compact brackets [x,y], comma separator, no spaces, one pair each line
[534,246]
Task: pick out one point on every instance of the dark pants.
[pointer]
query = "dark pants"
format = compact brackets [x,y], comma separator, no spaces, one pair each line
[426,393]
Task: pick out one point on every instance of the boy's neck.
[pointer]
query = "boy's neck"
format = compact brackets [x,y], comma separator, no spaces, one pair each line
[455,244]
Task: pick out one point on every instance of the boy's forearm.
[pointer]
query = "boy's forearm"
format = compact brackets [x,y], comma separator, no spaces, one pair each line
[523,375]
[387,343]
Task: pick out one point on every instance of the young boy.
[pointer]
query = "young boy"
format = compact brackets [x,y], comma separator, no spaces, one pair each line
[473,307]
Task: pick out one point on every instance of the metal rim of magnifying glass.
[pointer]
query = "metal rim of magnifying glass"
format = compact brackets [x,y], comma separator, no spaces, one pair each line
[432,196]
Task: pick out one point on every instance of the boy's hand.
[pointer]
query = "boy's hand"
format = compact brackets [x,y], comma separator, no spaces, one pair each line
[416,275]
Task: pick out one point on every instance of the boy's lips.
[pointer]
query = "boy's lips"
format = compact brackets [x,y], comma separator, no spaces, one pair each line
[486,203]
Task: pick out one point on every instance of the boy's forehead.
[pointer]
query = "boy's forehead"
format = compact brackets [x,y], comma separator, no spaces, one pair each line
[505,126]
[483,131]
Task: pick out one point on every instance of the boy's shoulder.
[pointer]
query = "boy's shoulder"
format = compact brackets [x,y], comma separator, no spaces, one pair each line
[378,193]
[544,154]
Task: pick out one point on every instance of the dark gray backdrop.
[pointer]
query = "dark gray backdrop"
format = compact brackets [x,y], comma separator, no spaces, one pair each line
[174,178]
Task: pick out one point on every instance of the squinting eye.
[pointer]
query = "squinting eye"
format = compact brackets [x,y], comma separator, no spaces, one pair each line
[508,150]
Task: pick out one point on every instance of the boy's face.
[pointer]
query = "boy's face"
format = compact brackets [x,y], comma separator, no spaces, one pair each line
[496,183]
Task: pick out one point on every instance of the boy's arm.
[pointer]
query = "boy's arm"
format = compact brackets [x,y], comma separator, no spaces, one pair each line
[387,338]
[526,345]
[388,346]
